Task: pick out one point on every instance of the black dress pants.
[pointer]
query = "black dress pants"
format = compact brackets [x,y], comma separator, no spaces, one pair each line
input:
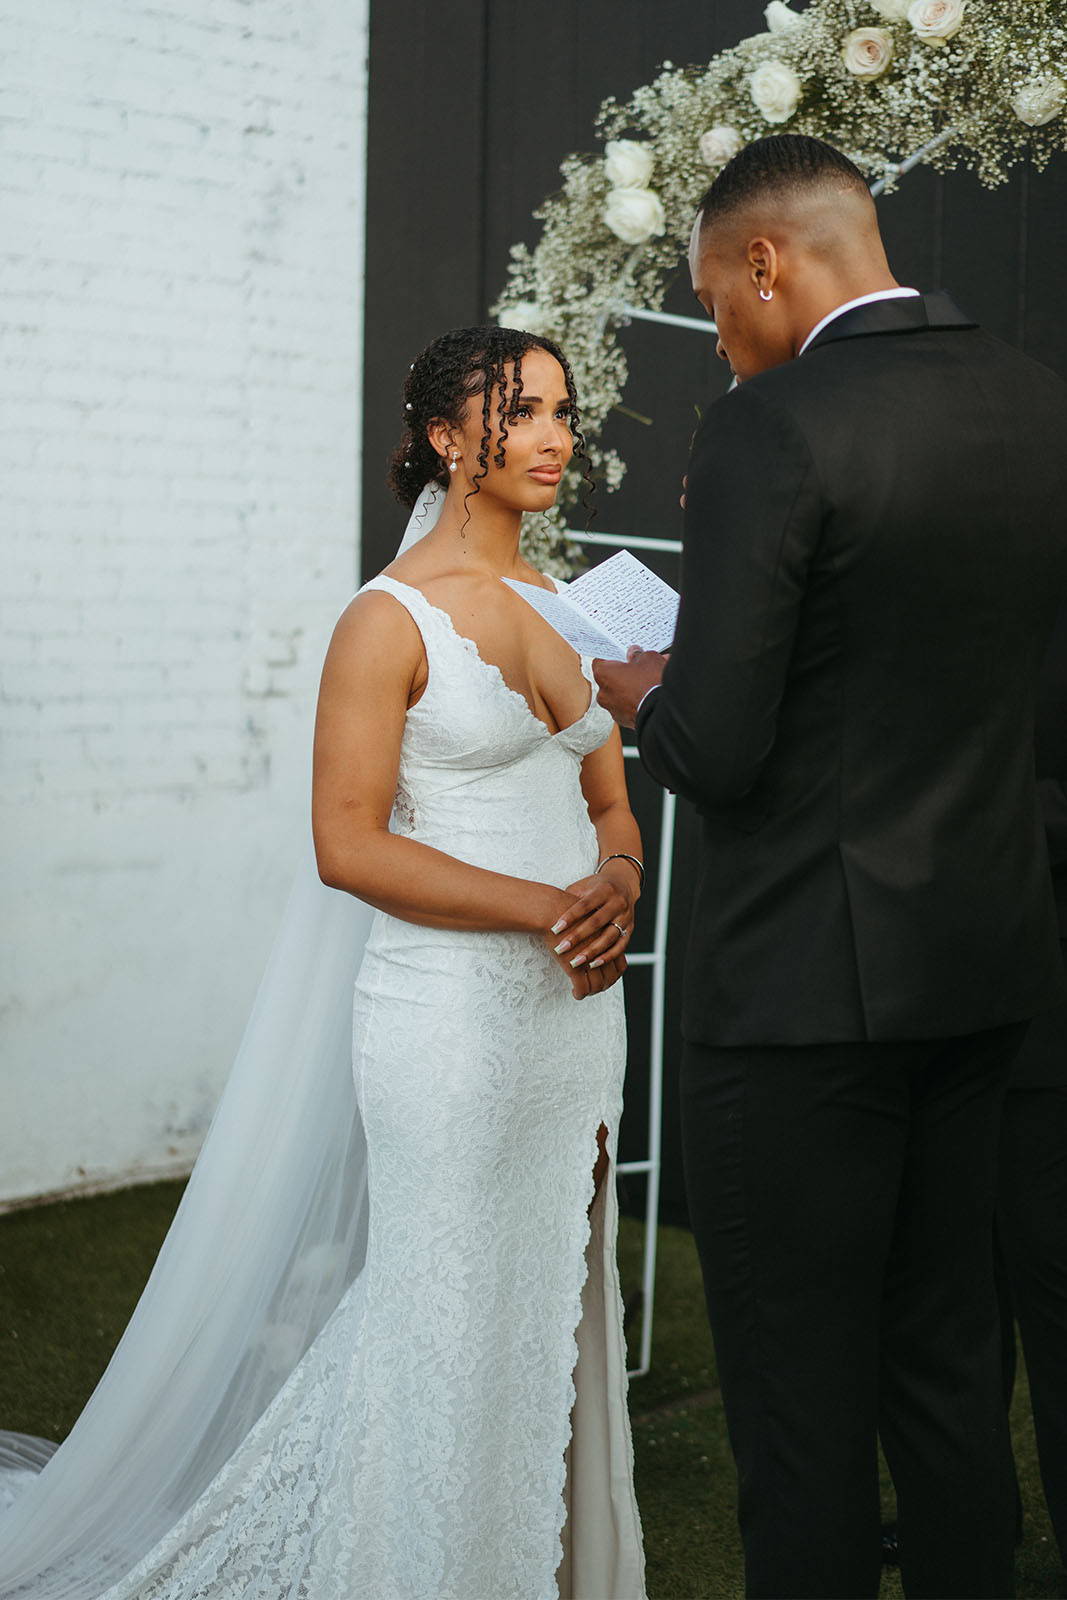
[842,1201]
[1032,1245]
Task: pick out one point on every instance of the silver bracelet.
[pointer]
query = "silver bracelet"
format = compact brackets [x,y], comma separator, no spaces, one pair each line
[621,855]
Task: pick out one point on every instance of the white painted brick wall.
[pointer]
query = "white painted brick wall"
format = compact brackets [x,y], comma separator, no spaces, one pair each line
[181,215]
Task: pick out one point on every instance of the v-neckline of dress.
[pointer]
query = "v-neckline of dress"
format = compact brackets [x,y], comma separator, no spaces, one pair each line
[492,668]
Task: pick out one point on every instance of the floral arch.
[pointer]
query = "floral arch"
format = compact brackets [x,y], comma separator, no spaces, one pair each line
[978,84]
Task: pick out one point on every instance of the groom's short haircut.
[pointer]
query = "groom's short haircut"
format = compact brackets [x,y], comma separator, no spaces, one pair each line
[783,166]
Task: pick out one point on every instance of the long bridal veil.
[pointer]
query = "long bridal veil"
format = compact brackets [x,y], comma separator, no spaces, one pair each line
[270,1233]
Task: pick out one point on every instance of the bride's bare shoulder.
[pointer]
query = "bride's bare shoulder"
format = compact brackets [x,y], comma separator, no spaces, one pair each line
[376,621]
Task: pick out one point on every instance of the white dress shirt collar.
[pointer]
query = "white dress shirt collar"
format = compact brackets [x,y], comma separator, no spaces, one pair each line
[861,300]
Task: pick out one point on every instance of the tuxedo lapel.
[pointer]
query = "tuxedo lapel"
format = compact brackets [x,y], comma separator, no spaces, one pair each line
[902,315]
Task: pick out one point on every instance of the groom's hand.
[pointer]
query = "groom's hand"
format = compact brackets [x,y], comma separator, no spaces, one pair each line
[622,683]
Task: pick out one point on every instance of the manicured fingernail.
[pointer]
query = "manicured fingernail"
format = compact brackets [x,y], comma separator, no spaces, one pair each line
[597,962]
[577,961]
[564,945]
[558,927]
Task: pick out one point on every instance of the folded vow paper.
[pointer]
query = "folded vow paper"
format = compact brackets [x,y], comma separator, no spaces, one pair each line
[619,603]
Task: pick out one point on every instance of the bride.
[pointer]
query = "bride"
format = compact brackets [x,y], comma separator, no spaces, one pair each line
[381,1352]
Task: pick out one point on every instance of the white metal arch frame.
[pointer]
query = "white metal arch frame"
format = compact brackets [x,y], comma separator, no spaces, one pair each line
[656,958]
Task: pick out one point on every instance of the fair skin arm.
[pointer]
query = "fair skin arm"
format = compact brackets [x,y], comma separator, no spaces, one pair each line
[367,681]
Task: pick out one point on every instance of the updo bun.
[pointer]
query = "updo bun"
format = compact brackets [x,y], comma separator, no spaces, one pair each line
[455,369]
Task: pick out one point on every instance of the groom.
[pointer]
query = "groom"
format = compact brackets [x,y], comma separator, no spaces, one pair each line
[875,549]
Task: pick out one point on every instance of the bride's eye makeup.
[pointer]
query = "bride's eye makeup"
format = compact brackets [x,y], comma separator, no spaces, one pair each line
[563,413]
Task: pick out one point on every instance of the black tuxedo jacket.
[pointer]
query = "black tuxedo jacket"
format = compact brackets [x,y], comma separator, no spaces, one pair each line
[1052,760]
[875,552]
[1042,1061]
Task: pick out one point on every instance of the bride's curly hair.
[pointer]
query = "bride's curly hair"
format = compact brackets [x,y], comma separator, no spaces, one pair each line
[451,372]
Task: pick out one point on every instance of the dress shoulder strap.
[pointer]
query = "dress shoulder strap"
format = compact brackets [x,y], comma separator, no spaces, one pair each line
[435,626]
[413,600]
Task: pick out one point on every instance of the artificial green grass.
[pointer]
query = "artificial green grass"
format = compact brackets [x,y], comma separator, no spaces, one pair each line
[70,1274]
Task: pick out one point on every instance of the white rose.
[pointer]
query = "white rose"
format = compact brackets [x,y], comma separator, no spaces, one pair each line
[775,90]
[936,20]
[780,17]
[1038,101]
[524,314]
[718,145]
[867,52]
[634,215]
[891,10]
[628,165]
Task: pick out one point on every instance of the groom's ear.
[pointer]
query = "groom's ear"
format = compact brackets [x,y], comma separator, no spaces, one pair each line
[763,264]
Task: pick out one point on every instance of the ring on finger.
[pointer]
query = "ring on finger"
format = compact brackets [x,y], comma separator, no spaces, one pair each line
[622,931]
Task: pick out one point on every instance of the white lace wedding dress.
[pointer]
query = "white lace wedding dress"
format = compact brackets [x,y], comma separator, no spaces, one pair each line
[457,1430]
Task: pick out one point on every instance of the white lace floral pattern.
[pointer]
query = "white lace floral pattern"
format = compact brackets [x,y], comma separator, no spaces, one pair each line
[417,1450]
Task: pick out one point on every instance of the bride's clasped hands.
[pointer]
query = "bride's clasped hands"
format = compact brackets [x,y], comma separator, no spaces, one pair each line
[591,938]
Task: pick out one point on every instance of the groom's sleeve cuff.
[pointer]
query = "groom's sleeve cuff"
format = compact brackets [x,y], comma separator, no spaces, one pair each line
[643,698]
